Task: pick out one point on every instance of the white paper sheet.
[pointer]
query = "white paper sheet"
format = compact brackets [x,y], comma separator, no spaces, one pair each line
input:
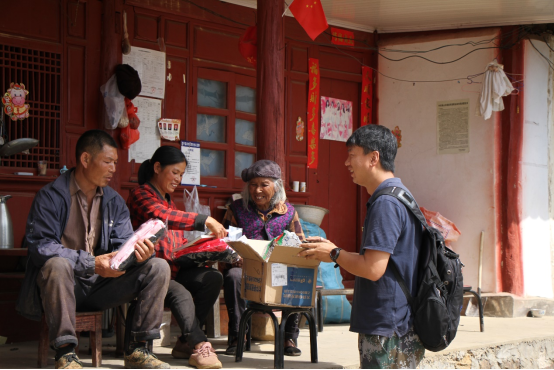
[149,112]
[278,274]
[191,150]
[150,65]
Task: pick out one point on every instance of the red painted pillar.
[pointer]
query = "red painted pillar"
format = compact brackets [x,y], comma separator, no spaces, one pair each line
[510,261]
[110,54]
[270,84]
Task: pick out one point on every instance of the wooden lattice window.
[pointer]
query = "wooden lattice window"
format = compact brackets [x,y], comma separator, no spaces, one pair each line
[40,72]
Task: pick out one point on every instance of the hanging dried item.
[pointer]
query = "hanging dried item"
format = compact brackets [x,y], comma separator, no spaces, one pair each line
[398,134]
[14,102]
[248,45]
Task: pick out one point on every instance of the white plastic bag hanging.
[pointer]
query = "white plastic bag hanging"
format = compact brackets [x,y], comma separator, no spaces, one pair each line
[192,204]
[114,102]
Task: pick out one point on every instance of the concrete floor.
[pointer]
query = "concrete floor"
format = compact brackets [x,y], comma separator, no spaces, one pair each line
[337,347]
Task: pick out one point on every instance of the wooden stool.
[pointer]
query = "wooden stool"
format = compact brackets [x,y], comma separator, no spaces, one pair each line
[84,321]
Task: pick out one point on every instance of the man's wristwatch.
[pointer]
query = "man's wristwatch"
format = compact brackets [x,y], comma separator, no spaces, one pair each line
[334,254]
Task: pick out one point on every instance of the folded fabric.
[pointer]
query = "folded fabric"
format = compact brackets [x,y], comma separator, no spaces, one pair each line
[214,250]
[152,229]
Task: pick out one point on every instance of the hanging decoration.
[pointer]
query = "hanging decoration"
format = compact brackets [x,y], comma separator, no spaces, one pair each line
[299,129]
[342,37]
[366,110]
[310,15]
[313,112]
[248,45]
[14,102]
[398,134]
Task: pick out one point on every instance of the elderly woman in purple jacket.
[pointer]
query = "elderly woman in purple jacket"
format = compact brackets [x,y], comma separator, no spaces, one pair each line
[263,213]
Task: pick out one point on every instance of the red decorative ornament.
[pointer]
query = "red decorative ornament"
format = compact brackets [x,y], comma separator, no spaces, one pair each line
[248,45]
[14,102]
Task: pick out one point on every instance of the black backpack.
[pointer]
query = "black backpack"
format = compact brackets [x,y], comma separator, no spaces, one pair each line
[440,287]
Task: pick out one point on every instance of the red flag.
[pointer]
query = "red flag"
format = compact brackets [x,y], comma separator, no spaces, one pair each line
[310,15]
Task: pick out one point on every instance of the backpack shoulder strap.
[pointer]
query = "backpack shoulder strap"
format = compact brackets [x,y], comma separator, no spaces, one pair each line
[406,199]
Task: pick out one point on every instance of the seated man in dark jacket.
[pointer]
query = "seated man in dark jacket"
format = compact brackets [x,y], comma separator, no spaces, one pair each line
[75,225]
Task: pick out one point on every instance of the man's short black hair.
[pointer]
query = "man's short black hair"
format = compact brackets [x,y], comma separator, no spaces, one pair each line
[92,142]
[376,138]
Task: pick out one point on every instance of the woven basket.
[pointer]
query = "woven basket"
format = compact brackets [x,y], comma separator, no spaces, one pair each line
[312,214]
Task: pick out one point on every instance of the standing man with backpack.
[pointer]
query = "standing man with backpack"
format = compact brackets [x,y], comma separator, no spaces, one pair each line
[381,313]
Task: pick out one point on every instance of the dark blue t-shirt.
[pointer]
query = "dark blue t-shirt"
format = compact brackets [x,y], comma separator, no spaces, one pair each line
[380,307]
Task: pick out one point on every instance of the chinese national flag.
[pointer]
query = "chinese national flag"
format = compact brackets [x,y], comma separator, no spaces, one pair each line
[310,15]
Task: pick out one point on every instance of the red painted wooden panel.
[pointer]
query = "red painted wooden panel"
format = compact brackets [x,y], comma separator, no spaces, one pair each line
[176,33]
[336,61]
[76,19]
[71,143]
[217,45]
[298,59]
[296,172]
[297,104]
[145,27]
[36,19]
[76,84]
[175,102]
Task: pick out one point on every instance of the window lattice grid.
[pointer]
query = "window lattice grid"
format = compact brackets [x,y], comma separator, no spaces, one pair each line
[40,72]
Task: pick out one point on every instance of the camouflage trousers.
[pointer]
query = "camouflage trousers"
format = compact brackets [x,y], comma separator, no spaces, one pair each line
[379,352]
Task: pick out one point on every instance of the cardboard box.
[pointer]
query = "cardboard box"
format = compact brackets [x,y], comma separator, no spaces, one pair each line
[276,277]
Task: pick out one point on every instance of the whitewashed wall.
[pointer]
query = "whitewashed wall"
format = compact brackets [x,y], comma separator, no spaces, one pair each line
[535,225]
[459,186]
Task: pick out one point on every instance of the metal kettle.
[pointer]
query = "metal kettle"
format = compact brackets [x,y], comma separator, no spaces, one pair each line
[6,229]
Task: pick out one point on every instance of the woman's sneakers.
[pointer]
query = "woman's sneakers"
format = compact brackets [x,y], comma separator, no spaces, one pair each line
[181,350]
[205,357]
[291,349]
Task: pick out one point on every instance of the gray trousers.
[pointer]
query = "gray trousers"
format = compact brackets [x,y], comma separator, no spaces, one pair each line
[63,294]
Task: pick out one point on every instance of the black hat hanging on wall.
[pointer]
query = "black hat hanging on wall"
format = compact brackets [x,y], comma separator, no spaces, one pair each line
[128,81]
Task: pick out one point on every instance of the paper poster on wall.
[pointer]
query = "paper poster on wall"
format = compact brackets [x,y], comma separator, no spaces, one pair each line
[150,65]
[453,126]
[191,150]
[336,119]
[169,128]
[149,112]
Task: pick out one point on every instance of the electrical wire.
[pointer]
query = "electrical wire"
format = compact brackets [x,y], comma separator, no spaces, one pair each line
[550,64]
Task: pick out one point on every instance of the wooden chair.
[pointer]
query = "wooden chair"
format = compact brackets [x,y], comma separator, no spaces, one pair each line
[84,321]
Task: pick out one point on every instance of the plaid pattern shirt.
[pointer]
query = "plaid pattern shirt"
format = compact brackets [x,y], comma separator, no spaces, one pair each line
[280,208]
[145,202]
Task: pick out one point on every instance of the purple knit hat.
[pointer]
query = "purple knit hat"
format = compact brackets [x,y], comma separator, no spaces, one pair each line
[262,168]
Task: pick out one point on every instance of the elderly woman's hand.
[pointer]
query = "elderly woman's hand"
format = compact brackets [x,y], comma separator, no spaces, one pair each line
[216,228]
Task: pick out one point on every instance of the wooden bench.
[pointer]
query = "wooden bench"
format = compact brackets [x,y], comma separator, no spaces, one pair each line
[84,321]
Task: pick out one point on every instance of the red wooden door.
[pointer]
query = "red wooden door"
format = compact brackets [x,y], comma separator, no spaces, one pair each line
[334,188]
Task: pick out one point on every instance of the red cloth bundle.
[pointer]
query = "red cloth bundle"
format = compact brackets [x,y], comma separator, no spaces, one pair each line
[211,250]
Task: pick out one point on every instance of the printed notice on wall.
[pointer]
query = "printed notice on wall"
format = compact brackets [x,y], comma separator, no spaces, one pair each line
[191,150]
[149,112]
[278,274]
[453,127]
[150,65]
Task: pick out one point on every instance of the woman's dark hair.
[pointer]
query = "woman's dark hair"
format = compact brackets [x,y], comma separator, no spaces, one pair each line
[376,138]
[165,155]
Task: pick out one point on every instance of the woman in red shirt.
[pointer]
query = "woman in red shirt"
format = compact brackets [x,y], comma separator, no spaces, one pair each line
[193,290]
